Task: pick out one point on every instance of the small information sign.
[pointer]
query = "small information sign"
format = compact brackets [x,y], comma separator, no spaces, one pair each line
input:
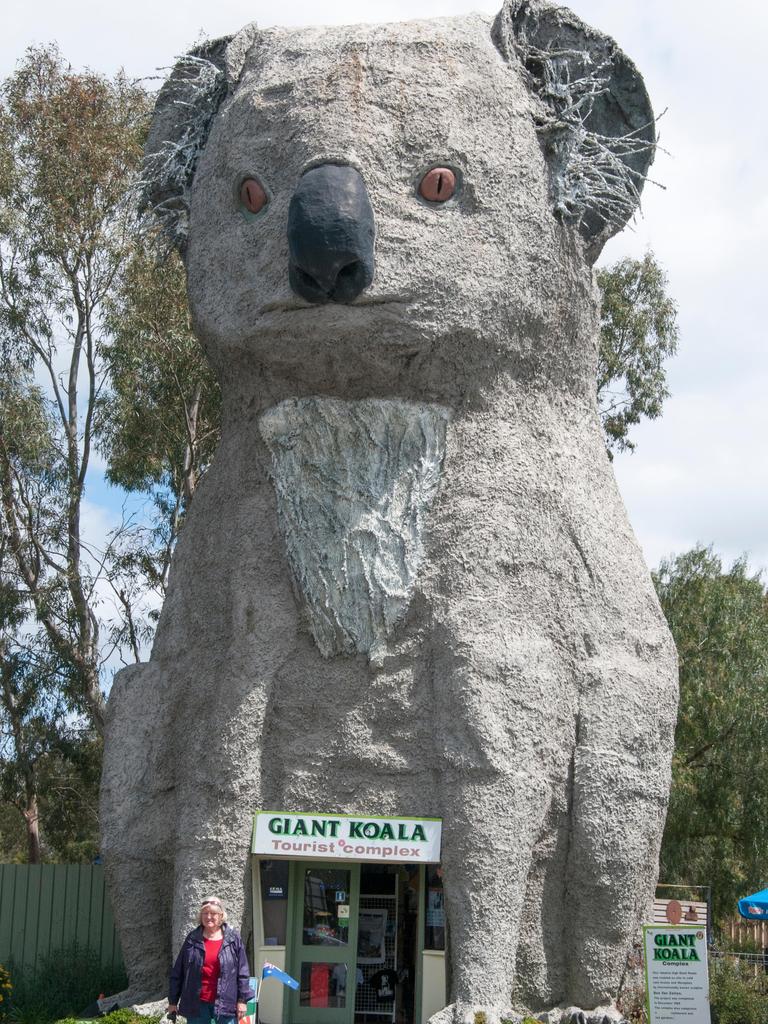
[676,977]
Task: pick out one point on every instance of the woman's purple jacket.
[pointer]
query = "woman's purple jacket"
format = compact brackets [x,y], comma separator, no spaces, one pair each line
[234,978]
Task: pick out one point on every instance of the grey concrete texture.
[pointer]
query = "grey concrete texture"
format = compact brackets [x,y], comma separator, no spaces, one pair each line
[509,668]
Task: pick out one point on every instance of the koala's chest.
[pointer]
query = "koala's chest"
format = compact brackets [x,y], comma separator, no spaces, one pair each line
[354,484]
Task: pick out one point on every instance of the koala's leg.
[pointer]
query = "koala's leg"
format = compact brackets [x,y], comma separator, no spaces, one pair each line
[542,954]
[211,858]
[218,725]
[491,827]
[621,767]
[136,810]
[506,733]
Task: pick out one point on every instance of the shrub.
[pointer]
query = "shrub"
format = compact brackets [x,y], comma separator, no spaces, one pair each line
[63,984]
[5,992]
[124,1016]
[127,1016]
[29,1014]
[735,996]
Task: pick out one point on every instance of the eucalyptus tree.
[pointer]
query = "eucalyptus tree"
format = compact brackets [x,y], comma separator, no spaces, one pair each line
[638,334]
[70,145]
[715,832]
[161,412]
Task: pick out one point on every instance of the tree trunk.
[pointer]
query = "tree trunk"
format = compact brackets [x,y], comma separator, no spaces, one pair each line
[96,704]
[32,821]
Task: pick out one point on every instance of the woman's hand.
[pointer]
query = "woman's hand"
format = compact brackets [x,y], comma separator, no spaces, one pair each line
[172,1008]
[242,1010]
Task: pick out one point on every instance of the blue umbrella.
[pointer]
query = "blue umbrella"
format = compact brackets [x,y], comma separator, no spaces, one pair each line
[755,908]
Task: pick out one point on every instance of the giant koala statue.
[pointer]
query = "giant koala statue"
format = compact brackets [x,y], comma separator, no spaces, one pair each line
[408,584]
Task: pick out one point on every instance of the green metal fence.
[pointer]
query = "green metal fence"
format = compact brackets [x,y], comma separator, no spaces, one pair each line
[45,907]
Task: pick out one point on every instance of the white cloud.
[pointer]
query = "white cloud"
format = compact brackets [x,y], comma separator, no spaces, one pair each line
[695,477]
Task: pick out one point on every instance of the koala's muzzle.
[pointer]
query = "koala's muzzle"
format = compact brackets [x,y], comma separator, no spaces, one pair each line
[330,235]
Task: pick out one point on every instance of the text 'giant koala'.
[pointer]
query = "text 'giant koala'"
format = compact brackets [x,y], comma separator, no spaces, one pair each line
[408,584]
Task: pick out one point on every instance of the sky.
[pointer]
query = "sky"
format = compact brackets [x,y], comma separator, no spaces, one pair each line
[699,474]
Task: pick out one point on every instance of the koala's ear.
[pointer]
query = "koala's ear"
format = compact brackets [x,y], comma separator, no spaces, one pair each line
[184,110]
[593,115]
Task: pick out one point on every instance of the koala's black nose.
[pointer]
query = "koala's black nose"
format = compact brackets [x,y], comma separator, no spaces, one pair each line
[330,235]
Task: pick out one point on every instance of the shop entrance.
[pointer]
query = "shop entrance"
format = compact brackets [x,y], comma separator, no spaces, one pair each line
[324,942]
[354,943]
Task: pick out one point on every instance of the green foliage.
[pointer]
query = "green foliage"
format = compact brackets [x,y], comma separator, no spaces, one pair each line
[715,832]
[64,983]
[13,840]
[124,1016]
[159,379]
[127,1016]
[735,994]
[32,715]
[6,990]
[746,942]
[481,1017]
[68,779]
[69,798]
[70,145]
[638,333]
[30,1013]
[160,417]
[49,767]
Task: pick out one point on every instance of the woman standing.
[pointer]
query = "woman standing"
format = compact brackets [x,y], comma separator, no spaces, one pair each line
[210,979]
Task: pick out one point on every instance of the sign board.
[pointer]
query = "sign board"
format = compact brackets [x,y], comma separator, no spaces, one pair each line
[299,836]
[250,1014]
[679,911]
[676,978]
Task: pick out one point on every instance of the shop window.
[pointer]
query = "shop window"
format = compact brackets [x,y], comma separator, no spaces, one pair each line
[434,909]
[326,907]
[377,880]
[274,900]
[323,985]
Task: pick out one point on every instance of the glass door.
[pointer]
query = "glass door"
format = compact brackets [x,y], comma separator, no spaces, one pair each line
[324,942]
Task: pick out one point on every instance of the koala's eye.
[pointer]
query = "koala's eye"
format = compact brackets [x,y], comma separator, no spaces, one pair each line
[252,195]
[438,185]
